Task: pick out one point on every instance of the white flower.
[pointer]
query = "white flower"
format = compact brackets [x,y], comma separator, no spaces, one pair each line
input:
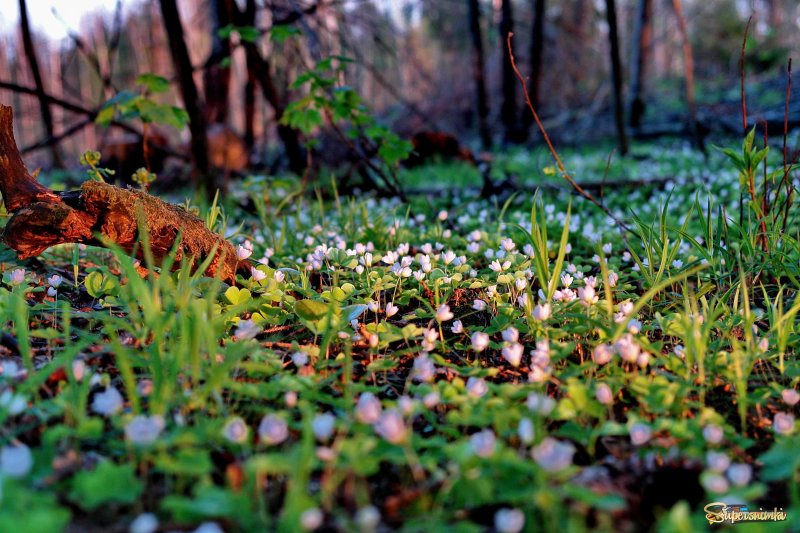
[640,433]
[256,274]
[54,281]
[713,434]
[627,348]
[424,368]
[368,518]
[14,404]
[144,430]
[242,252]
[477,387]
[368,408]
[480,341]
[602,354]
[525,430]
[107,402]
[247,329]
[457,327]
[566,280]
[236,430]
[273,430]
[144,523]
[15,460]
[553,455]
[406,404]
[323,426]
[542,312]
[587,295]
[442,215]
[540,403]
[511,334]
[607,248]
[714,483]
[790,396]
[443,314]
[717,461]
[391,310]
[279,276]
[51,292]
[509,520]
[507,244]
[783,423]
[17,276]
[513,353]
[643,359]
[448,257]
[311,519]
[613,278]
[391,426]
[604,394]
[677,263]
[483,443]
[78,369]
[740,474]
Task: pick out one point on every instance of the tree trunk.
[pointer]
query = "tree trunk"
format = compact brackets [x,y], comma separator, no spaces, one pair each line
[478,77]
[688,69]
[30,54]
[191,98]
[642,35]
[537,49]
[508,114]
[217,76]
[99,214]
[616,69]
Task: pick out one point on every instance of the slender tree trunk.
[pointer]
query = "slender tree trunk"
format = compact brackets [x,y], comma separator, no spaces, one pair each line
[537,49]
[508,114]
[481,100]
[616,69]
[217,76]
[642,35]
[191,98]
[688,69]
[30,54]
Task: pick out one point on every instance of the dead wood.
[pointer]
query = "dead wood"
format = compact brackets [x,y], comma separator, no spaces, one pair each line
[100,213]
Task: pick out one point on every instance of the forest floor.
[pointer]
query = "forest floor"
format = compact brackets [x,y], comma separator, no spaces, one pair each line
[452,364]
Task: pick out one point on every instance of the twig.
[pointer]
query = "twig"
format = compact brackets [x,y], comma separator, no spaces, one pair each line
[741,75]
[550,146]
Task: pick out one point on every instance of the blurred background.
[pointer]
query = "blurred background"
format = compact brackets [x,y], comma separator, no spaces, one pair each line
[597,70]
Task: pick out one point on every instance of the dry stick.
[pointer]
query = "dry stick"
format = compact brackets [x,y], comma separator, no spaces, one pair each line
[550,146]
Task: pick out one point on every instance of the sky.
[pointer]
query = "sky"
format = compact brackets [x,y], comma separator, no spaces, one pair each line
[67,16]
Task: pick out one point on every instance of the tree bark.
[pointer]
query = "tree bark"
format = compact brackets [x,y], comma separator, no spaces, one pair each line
[642,35]
[688,69]
[191,98]
[616,69]
[41,218]
[217,76]
[537,50]
[481,100]
[508,114]
[33,62]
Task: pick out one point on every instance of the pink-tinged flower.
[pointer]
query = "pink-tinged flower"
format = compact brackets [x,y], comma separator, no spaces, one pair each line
[144,430]
[247,329]
[448,257]
[540,403]
[429,338]
[587,295]
[391,427]
[52,292]
[424,368]
[643,359]
[391,310]
[457,327]
[243,252]
[483,443]
[604,394]
[480,341]
[442,215]
[714,482]
[299,359]
[431,399]
[542,312]
[107,402]
[553,455]
[311,519]
[640,433]
[790,397]
[783,423]
[627,348]
[235,430]
[54,281]
[17,276]
[273,430]
[613,279]
[406,404]
[740,474]
[477,387]
[509,521]
[525,430]
[507,244]
[323,426]
[368,408]
[602,354]
[256,274]
[443,314]
[290,399]
[566,280]
[16,460]
[511,334]
[78,369]
[279,276]
[717,461]
[713,434]
[513,354]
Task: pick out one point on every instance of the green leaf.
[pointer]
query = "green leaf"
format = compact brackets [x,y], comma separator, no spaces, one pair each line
[107,483]
[154,83]
[248,34]
[310,309]
[237,296]
[282,32]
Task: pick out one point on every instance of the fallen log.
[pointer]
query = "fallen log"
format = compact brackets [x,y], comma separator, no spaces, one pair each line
[100,213]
